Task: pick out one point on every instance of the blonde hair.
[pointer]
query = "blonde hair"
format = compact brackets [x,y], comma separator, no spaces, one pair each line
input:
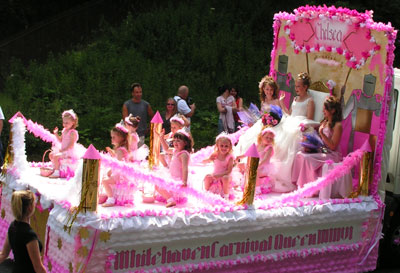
[20,202]
[304,78]
[220,139]
[262,133]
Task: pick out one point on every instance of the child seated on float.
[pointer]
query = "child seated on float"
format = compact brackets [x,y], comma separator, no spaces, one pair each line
[265,149]
[178,122]
[119,140]
[64,155]
[219,181]
[135,154]
[179,164]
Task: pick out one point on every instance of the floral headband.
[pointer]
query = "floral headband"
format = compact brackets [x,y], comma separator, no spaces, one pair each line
[223,135]
[177,119]
[183,132]
[69,112]
[267,130]
[127,120]
[120,127]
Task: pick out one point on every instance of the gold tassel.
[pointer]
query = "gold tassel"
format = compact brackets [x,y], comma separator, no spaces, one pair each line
[151,155]
[9,157]
[90,184]
[251,177]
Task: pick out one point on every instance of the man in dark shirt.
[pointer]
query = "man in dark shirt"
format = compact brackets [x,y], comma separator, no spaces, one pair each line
[138,107]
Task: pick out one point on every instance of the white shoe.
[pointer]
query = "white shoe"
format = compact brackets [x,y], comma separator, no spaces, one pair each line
[110,202]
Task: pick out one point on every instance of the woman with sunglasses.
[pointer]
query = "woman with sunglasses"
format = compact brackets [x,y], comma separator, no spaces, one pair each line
[170,111]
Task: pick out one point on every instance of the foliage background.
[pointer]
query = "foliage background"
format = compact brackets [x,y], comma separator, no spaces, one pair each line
[162,45]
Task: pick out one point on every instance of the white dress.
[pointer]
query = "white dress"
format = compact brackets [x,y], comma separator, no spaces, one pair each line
[286,144]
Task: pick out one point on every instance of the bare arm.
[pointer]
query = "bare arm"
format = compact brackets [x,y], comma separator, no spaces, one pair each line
[124,111]
[240,106]
[150,111]
[185,162]
[334,141]
[192,109]
[34,254]
[310,109]
[283,106]
[6,250]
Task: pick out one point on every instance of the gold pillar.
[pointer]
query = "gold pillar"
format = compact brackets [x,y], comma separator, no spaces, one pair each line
[365,173]
[251,177]
[90,184]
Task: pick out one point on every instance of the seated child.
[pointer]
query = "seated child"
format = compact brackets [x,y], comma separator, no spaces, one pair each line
[179,164]
[219,181]
[119,140]
[69,136]
[265,148]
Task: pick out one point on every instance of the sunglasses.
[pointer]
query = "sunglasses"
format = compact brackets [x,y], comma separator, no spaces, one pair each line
[173,104]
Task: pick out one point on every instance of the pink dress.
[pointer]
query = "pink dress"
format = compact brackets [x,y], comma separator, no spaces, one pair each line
[175,167]
[220,166]
[265,170]
[134,139]
[116,175]
[307,167]
[66,138]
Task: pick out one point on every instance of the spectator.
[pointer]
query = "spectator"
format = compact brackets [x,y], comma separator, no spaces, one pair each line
[138,107]
[182,105]
[21,238]
[239,105]
[226,106]
[1,144]
[170,111]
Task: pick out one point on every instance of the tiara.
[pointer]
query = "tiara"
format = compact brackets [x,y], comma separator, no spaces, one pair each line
[69,112]
[267,130]
[177,119]
[120,127]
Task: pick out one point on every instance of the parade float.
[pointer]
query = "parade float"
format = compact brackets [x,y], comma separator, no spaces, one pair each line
[348,55]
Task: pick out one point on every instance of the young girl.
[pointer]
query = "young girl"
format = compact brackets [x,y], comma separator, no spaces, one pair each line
[265,148]
[268,93]
[68,139]
[303,103]
[132,123]
[119,140]
[220,180]
[307,167]
[179,163]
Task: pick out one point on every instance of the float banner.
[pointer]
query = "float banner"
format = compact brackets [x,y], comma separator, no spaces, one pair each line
[237,245]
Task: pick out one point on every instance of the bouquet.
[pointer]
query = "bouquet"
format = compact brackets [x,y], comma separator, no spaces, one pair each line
[273,117]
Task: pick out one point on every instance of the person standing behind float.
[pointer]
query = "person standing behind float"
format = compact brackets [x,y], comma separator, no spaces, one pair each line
[303,103]
[226,106]
[239,105]
[182,106]
[1,144]
[170,111]
[138,107]
[21,238]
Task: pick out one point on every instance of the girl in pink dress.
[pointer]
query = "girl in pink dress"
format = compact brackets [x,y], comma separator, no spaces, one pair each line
[132,123]
[265,149]
[178,166]
[307,167]
[65,153]
[219,181]
[119,140]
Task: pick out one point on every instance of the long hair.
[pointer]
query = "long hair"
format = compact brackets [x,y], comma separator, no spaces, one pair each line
[20,202]
[270,81]
[333,103]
